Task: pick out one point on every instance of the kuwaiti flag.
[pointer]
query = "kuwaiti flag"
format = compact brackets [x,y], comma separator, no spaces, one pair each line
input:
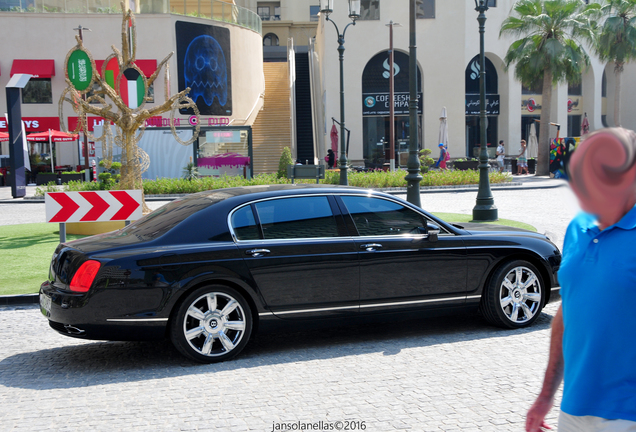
[131,88]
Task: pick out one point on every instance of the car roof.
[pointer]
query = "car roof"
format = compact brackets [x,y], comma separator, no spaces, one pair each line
[277,190]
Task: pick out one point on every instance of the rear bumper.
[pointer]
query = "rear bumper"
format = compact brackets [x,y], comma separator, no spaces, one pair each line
[71,314]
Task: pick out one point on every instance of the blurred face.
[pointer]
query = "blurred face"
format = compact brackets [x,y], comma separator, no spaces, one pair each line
[603,174]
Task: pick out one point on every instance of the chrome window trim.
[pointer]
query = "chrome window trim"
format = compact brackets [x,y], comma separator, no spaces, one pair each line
[442,232]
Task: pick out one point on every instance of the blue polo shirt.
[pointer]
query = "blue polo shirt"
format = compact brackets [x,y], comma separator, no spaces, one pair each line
[598,286]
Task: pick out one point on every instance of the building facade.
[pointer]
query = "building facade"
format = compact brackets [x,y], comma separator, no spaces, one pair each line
[225,75]
[447,58]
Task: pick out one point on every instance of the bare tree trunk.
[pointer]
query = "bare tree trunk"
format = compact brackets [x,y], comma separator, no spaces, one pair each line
[543,151]
[618,72]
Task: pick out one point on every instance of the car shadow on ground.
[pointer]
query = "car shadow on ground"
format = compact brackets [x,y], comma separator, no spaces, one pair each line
[89,363]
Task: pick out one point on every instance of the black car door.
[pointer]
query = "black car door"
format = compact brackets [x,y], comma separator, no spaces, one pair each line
[300,256]
[401,266]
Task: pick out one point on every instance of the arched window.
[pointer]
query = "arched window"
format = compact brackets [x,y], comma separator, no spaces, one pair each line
[270,39]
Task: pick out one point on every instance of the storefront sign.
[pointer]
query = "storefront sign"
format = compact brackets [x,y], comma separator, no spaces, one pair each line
[575,105]
[531,104]
[158,121]
[375,85]
[379,103]
[34,124]
[91,122]
[473,104]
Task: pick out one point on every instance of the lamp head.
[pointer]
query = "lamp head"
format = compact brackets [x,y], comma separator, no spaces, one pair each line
[481,5]
[326,7]
[354,9]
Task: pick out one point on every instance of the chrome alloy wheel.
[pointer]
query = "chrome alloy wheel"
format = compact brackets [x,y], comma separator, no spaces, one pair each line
[520,295]
[214,324]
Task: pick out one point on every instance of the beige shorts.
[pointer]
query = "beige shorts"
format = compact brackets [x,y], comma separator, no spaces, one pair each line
[570,423]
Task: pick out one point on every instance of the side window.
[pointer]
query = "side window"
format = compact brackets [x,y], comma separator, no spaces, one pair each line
[244,225]
[303,217]
[380,217]
[425,9]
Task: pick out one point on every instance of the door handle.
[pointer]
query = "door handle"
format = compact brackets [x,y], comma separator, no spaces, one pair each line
[257,252]
[371,247]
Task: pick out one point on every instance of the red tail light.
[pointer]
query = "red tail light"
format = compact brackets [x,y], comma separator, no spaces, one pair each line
[84,276]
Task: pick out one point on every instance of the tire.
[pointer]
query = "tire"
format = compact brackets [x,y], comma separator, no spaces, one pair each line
[514,296]
[212,324]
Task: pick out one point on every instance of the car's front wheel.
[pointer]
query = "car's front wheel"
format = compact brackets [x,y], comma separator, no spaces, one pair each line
[212,324]
[515,295]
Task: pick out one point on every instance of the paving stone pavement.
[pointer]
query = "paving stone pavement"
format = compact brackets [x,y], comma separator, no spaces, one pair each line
[437,374]
[442,374]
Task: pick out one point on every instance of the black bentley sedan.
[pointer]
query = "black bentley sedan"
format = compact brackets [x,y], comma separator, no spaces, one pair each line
[209,269]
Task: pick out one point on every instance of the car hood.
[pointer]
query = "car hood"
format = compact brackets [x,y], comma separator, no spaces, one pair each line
[490,228]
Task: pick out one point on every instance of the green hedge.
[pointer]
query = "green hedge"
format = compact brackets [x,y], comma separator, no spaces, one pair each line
[373,179]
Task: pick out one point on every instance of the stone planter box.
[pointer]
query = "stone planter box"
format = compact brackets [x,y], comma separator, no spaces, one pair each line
[45,178]
[465,165]
[71,177]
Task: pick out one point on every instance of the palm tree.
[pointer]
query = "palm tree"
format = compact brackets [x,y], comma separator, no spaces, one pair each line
[549,50]
[616,42]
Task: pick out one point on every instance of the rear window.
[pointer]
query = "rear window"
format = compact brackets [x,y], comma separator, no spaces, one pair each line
[167,217]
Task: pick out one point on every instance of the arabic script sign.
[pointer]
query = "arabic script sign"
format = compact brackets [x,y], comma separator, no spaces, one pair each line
[472,104]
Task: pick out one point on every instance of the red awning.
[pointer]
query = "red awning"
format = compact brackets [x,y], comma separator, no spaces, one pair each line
[4,136]
[56,136]
[148,67]
[37,68]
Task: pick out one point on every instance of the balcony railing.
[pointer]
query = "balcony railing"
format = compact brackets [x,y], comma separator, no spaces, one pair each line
[211,9]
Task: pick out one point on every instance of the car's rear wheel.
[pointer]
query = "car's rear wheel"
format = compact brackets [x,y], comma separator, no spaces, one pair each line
[515,295]
[212,324]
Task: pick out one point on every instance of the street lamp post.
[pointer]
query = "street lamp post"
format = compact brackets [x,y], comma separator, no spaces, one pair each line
[391,97]
[485,209]
[326,8]
[413,178]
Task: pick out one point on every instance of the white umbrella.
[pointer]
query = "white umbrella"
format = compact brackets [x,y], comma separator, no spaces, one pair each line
[443,129]
[532,148]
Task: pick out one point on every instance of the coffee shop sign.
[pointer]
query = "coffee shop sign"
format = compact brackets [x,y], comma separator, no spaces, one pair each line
[165,122]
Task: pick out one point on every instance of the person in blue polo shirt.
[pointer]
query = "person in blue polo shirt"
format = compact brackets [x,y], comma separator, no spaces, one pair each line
[593,340]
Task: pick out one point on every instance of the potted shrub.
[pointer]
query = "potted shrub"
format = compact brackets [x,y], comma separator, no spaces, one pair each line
[463,165]
[44,178]
[68,176]
[426,160]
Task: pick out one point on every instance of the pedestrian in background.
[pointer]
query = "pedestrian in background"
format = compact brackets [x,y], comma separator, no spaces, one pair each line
[441,162]
[522,161]
[593,339]
[501,152]
[331,158]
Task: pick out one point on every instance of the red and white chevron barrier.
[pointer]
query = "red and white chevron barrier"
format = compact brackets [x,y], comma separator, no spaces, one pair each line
[94,206]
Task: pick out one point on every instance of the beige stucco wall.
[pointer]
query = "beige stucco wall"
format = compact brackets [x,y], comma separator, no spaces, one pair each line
[445,46]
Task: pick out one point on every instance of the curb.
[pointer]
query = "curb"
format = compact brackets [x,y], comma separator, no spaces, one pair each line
[21,299]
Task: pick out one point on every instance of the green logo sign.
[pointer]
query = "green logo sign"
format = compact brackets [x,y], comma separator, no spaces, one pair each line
[79,70]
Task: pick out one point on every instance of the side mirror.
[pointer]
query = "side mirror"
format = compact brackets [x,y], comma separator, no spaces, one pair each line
[433,231]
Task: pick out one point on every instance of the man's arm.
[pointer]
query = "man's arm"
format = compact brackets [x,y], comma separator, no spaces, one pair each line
[535,419]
